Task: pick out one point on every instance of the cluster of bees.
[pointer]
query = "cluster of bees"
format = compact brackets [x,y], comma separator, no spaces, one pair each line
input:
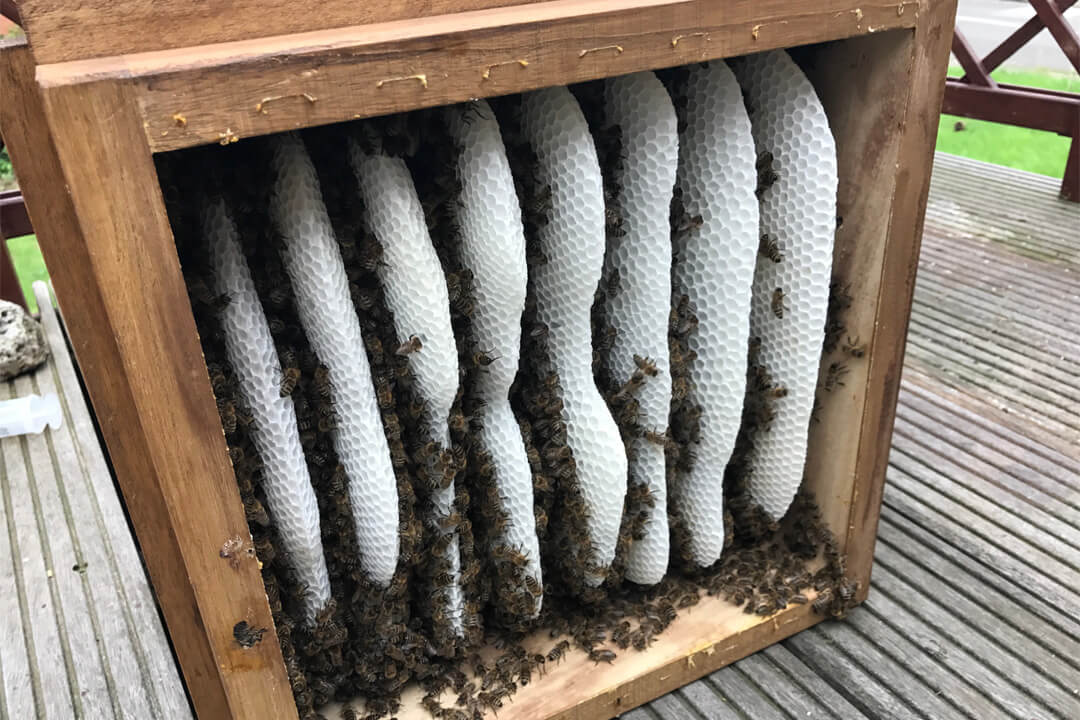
[371,641]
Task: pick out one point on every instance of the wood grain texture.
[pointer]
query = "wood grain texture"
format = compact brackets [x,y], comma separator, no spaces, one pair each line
[64,526]
[917,130]
[235,90]
[93,194]
[64,30]
[703,639]
[864,85]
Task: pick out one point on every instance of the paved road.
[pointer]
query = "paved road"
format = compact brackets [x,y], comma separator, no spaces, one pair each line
[985,23]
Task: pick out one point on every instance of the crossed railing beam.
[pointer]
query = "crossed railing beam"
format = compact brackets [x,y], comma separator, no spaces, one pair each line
[979,96]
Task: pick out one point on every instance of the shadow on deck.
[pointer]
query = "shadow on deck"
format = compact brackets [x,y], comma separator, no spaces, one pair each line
[975,606]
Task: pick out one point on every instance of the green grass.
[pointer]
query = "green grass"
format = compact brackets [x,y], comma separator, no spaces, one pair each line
[1032,150]
[29,265]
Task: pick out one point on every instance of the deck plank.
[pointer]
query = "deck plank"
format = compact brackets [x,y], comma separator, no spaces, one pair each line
[80,633]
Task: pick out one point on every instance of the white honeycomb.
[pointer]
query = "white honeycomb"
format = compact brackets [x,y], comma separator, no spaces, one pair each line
[493,248]
[258,372]
[799,211]
[714,266]
[415,288]
[641,108]
[573,242]
[314,265]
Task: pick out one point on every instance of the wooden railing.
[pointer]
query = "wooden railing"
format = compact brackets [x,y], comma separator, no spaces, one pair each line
[977,95]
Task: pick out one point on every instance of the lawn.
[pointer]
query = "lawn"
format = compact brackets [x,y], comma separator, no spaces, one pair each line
[1030,150]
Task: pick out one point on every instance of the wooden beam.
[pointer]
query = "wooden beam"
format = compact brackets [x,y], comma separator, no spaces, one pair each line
[14,220]
[1019,38]
[1014,105]
[974,72]
[225,92]
[93,193]
[63,30]
[1063,32]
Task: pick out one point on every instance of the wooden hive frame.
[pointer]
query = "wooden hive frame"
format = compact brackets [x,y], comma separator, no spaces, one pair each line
[106,84]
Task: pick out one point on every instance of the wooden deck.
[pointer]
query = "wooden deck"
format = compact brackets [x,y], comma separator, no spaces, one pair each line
[80,633]
[975,607]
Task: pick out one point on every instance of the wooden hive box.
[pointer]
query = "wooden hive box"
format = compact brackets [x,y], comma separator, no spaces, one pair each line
[104,85]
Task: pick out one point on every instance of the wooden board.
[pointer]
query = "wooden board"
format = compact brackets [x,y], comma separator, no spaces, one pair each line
[93,194]
[63,30]
[708,636]
[236,90]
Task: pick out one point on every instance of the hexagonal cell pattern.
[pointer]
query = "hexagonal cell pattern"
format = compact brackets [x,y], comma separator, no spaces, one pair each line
[314,265]
[799,212]
[415,287]
[641,108]
[714,266]
[254,359]
[573,242]
[493,248]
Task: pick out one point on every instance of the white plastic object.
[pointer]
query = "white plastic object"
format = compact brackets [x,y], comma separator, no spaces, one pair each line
[415,289]
[573,242]
[799,212]
[30,415]
[493,248]
[714,266]
[313,262]
[641,108]
[254,359]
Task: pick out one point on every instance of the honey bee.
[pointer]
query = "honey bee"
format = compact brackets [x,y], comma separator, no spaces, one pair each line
[769,248]
[533,586]
[611,286]
[228,417]
[656,437]
[646,365]
[322,381]
[413,344]
[290,376]
[556,654]
[853,348]
[778,302]
[483,359]
[778,392]
[767,176]
[834,377]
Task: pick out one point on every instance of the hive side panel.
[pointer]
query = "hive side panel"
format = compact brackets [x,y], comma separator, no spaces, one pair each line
[863,84]
[915,157]
[63,31]
[94,196]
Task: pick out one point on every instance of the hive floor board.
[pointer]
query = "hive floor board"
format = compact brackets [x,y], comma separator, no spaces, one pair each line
[975,606]
[80,633]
